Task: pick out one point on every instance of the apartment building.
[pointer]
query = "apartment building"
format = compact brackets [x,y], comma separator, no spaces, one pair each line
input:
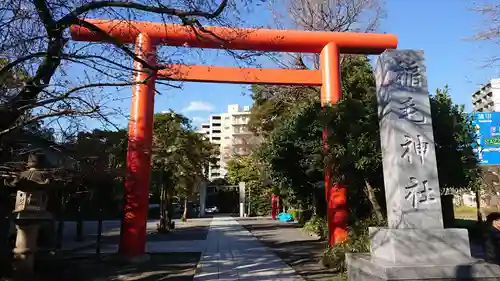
[487,99]
[229,132]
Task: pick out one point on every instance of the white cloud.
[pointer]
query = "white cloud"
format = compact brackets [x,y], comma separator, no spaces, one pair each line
[199,106]
[198,119]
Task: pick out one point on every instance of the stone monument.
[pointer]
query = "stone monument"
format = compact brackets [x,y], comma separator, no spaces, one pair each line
[415,246]
[242,200]
[203,198]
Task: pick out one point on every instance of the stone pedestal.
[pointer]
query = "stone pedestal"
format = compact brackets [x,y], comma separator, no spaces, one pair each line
[428,246]
[363,267]
[25,249]
[29,213]
[415,246]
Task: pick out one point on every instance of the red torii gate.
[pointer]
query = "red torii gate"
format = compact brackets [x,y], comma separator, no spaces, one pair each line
[148,35]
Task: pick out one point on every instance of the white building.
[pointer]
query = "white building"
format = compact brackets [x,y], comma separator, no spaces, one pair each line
[229,131]
[487,98]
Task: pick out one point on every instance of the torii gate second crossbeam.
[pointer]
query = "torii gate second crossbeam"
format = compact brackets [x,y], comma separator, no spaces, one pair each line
[148,35]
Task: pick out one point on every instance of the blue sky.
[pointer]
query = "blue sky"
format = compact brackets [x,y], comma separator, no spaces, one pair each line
[439,27]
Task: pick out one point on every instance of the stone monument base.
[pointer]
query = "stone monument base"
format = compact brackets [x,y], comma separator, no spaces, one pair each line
[362,267]
[420,246]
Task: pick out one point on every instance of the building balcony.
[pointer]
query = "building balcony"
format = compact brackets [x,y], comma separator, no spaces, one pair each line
[243,133]
[239,122]
[241,141]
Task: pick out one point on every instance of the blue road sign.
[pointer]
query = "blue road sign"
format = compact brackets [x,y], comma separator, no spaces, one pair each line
[487,128]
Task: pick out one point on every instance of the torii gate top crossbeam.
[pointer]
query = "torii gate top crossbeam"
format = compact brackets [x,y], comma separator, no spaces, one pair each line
[238,38]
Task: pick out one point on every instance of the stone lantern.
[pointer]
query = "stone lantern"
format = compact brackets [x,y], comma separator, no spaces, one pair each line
[29,212]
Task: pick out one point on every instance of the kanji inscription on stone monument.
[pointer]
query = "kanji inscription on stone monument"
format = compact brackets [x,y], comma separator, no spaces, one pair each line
[408,74]
[408,151]
[409,112]
[414,147]
[419,192]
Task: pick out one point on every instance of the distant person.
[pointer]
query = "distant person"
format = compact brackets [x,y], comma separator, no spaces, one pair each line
[492,241]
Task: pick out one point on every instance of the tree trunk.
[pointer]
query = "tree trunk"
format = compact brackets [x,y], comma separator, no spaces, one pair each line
[5,226]
[5,246]
[184,215]
[478,206]
[373,200]
[168,206]
[99,221]
[164,226]
[79,221]
[60,222]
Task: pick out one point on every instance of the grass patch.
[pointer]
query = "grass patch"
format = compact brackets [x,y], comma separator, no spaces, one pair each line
[470,213]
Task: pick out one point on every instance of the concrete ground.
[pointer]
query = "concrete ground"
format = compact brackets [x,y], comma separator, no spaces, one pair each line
[173,256]
[192,229]
[228,252]
[298,249]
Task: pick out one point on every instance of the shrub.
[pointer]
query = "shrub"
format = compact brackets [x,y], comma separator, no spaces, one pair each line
[304,216]
[259,199]
[301,216]
[358,242]
[316,225]
[294,213]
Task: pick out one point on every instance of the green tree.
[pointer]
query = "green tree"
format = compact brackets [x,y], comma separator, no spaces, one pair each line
[99,178]
[294,155]
[241,169]
[293,149]
[453,135]
[247,169]
[180,157]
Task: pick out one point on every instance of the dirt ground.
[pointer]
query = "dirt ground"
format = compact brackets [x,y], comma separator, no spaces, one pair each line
[73,266]
[164,266]
[303,252]
[298,249]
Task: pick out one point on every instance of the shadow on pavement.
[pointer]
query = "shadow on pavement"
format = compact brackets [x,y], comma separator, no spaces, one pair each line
[192,230]
[165,266]
[298,249]
[179,234]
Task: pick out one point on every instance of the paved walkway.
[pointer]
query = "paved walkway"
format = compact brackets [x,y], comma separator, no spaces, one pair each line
[229,252]
[232,253]
[300,250]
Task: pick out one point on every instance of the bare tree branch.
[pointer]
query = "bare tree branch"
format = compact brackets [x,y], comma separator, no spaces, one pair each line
[34,40]
[43,116]
[183,15]
[489,31]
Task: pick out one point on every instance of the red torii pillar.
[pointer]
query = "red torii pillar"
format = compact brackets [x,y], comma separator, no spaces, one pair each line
[148,35]
[274,205]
